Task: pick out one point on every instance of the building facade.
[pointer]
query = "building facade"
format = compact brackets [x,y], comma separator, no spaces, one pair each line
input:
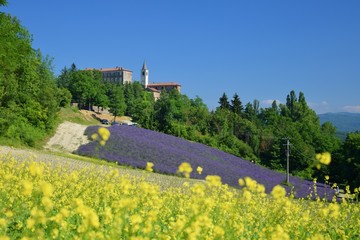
[158,87]
[115,75]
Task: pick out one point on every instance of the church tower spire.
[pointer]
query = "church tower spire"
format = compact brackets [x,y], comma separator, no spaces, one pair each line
[144,75]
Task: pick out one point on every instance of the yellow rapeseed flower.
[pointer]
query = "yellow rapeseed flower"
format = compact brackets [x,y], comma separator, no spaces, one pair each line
[36,169]
[27,187]
[47,203]
[185,168]
[279,234]
[199,169]
[278,192]
[241,182]
[104,133]
[2,222]
[46,189]
[324,158]
[94,136]
[93,219]
[218,231]
[149,167]
[213,180]
[30,223]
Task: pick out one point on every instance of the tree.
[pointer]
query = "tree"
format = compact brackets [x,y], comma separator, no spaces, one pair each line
[351,159]
[64,80]
[164,112]
[224,102]
[199,115]
[236,105]
[28,105]
[117,101]
[87,86]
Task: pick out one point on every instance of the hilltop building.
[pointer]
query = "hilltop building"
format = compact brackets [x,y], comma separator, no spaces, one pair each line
[115,75]
[156,88]
[123,76]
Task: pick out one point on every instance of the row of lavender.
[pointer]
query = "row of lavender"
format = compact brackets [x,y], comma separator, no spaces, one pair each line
[136,146]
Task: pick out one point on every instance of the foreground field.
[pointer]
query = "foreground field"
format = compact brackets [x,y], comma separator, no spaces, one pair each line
[56,200]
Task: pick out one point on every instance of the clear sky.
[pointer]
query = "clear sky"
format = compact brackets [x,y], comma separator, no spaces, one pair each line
[259,49]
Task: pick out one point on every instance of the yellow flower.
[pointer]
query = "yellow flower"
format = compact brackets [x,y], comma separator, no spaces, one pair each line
[279,234]
[213,180]
[2,222]
[30,222]
[36,169]
[104,133]
[94,136]
[93,219]
[135,219]
[250,183]
[149,167]
[278,192]
[241,182]
[46,189]
[199,169]
[47,203]
[185,168]
[64,212]
[218,231]
[324,158]
[28,187]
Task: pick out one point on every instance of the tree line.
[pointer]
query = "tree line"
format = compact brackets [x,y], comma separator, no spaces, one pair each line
[31,96]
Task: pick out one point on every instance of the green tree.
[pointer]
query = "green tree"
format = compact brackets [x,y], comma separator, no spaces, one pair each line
[351,159]
[236,105]
[87,86]
[117,101]
[28,105]
[224,102]
[199,115]
[65,79]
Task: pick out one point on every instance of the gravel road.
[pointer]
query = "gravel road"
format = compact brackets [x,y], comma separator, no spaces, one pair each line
[68,137]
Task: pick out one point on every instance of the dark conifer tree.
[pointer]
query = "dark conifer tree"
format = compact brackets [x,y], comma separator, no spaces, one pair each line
[224,102]
[236,105]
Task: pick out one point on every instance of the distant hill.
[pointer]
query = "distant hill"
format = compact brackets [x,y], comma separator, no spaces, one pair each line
[344,122]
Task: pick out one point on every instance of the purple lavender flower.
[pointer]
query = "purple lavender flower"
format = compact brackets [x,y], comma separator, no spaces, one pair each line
[135,146]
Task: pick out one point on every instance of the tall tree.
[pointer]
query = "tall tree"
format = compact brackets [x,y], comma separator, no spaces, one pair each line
[236,105]
[224,102]
[117,101]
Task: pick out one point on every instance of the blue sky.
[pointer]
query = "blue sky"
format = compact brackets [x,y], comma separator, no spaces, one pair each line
[259,49]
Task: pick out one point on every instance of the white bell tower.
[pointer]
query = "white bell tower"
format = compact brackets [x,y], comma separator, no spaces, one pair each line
[144,75]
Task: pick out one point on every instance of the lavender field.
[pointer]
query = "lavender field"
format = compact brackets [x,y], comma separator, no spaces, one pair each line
[135,147]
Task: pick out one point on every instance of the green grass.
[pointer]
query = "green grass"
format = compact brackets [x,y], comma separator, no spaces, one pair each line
[72,114]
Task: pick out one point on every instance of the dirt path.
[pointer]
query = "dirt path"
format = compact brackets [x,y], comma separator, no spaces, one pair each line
[68,137]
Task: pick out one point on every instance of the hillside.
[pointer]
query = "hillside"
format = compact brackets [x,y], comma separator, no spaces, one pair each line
[344,121]
[136,146]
